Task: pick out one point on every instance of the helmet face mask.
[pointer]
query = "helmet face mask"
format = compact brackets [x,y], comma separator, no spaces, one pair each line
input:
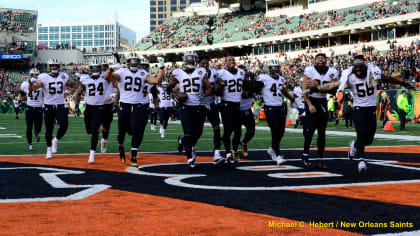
[34,72]
[165,84]
[133,64]
[274,69]
[190,60]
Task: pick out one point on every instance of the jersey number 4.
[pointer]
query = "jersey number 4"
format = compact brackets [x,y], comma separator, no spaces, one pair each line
[92,89]
[364,89]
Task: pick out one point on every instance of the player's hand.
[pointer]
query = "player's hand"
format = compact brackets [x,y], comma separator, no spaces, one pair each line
[117,57]
[116,66]
[33,81]
[161,61]
[312,109]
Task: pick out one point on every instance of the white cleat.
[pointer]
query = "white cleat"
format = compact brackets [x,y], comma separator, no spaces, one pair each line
[191,162]
[352,151]
[272,153]
[162,133]
[54,145]
[153,127]
[30,148]
[217,158]
[92,157]
[104,144]
[49,153]
[361,167]
[280,159]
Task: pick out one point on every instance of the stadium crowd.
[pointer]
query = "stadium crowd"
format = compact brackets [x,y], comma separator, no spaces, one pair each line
[16,22]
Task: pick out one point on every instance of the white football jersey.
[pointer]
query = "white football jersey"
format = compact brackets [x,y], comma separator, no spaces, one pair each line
[146,93]
[34,97]
[271,91]
[150,100]
[191,84]
[94,90]
[16,103]
[164,97]
[131,85]
[109,89]
[246,104]
[233,84]
[313,74]
[299,97]
[212,80]
[364,90]
[54,88]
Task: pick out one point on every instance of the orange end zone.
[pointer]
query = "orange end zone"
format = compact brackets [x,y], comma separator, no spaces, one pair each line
[394,149]
[113,212]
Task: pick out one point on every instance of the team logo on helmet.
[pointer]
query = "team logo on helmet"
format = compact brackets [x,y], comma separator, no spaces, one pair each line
[142,73]
[332,76]
[200,72]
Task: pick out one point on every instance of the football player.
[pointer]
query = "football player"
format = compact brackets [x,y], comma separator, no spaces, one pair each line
[109,88]
[54,84]
[193,83]
[272,87]
[165,107]
[95,86]
[229,86]
[362,79]
[316,111]
[133,115]
[247,116]
[33,114]
[211,110]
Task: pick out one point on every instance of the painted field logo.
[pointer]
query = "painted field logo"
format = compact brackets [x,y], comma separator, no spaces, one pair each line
[263,175]
[29,184]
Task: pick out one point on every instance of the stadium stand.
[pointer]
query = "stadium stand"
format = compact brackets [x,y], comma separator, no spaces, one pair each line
[181,32]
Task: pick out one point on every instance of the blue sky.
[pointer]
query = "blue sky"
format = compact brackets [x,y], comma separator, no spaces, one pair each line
[131,13]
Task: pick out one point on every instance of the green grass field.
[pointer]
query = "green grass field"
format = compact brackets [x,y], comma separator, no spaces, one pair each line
[77,141]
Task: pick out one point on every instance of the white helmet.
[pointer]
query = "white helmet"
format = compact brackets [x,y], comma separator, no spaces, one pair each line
[273,68]
[53,62]
[95,68]
[133,62]
[33,72]
[144,63]
[190,59]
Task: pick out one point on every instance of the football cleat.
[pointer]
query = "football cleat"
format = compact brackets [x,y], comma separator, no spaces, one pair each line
[133,161]
[122,154]
[230,158]
[352,151]
[91,157]
[30,148]
[272,153]
[279,159]
[191,162]
[180,145]
[153,127]
[244,148]
[162,132]
[49,153]
[104,144]
[361,167]
[235,156]
[305,159]
[54,145]
[321,165]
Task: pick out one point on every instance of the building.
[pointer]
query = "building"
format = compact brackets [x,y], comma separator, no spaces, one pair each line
[93,36]
[161,10]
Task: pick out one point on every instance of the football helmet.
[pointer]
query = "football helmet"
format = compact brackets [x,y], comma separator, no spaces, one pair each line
[273,68]
[34,72]
[190,60]
[133,62]
[95,68]
[53,65]
[144,63]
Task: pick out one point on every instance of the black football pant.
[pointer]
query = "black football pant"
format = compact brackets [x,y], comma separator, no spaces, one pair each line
[365,123]
[192,120]
[316,121]
[153,116]
[164,114]
[276,120]
[132,118]
[33,117]
[107,120]
[54,113]
[94,116]
[349,119]
[212,116]
[402,114]
[231,124]
[247,120]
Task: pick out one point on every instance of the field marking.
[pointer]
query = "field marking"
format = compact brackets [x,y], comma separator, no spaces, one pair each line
[55,182]
[10,136]
[177,179]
